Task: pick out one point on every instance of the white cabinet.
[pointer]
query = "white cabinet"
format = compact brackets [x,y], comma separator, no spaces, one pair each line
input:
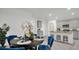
[73,24]
[63,37]
[39,28]
[75,35]
[58,37]
[78,35]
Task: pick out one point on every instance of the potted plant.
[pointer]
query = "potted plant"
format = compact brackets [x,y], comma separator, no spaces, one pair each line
[29,35]
[3,31]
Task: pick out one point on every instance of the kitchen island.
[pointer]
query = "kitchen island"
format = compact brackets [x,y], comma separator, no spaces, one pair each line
[64,37]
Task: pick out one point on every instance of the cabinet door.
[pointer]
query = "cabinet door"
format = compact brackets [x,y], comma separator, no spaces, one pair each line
[65,39]
[39,24]
[58,37]
[75,35]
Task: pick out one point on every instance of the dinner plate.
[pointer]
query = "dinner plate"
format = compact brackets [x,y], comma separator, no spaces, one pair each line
[21,42]
[39,39]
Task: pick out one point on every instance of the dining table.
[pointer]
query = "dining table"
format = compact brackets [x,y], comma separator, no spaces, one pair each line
[28,44]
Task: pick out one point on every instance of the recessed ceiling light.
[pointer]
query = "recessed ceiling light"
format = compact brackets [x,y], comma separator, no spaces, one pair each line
[50,14]
[56,17]
[68,8]
[73,13]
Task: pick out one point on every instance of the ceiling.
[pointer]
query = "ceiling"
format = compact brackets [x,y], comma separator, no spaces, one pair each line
[53,13]
[47,13]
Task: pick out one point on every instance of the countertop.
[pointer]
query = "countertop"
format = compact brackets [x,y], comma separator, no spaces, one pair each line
[61,32]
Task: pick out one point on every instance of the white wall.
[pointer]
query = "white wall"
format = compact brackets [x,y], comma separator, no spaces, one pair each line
[52,25]
[45,28]
[14,18]
[34,24]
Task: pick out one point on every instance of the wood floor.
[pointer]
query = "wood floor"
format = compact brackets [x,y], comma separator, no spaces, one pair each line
[62,46]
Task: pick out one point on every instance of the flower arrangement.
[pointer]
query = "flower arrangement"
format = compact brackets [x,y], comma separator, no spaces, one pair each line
[27,28]
[3,31]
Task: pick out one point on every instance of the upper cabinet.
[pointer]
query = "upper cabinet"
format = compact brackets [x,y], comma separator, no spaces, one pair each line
[39,24]
[69,24]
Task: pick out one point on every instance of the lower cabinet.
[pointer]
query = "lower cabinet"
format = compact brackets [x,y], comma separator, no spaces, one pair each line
[65,39]
[58,37]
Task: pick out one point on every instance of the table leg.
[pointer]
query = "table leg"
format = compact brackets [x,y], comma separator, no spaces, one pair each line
[37,47]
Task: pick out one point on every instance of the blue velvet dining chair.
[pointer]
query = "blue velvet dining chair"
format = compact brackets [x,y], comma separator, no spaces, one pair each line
[9,38]
[48,46]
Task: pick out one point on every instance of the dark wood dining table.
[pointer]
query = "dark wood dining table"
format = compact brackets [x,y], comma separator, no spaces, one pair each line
[33,44]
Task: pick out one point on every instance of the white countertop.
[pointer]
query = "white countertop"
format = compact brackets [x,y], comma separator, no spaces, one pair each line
[61,32]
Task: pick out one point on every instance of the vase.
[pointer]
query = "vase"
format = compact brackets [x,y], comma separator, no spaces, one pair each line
[2,42]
